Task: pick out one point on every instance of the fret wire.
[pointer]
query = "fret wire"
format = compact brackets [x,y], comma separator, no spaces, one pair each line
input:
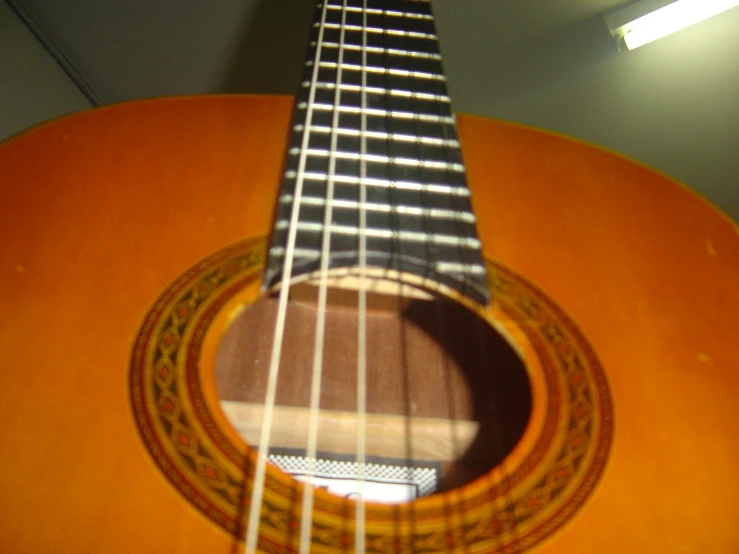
[436,213]
[427,164]
[382,91]
[381,31]
[384,183]
[387,51]
[384,136]
[389,71]
[387,63]
[444,267]
[391,13]
[383,220]
[462,242]
[382,113]
[455,267]
[298,252]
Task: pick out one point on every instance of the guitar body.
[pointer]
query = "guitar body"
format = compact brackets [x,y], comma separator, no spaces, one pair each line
[102,211]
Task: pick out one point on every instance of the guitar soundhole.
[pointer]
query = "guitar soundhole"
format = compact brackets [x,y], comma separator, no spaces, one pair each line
[448,398]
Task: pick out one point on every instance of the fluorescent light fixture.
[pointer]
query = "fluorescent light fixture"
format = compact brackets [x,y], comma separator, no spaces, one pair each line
[642,22]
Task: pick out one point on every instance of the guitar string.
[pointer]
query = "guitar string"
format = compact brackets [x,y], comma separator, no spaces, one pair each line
[396,249]
[427,223]
[306,522]
[497,491]
[359,547]
[438,89]
[359,537]
[407,405]
[359,516]
[486,364]
[258,481]
[486,367]
[311,458]
[432,254]
[456,504]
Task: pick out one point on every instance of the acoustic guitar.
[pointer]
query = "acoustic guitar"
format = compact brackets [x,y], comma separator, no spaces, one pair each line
[240,324]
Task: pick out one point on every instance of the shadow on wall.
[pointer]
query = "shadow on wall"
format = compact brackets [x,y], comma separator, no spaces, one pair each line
[271,55]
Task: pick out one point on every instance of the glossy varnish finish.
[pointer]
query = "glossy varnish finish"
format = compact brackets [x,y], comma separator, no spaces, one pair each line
[101,211]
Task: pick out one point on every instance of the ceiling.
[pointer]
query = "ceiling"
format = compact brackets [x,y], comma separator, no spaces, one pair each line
[548,63]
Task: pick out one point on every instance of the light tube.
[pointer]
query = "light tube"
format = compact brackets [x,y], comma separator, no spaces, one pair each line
[671,18]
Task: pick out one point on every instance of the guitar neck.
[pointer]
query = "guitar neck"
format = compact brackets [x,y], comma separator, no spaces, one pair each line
[374,142]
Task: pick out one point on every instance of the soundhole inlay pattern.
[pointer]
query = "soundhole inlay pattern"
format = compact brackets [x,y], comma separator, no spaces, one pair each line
[198,458]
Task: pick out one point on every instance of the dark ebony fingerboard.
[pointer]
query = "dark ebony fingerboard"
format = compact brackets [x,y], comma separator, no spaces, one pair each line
[418,212]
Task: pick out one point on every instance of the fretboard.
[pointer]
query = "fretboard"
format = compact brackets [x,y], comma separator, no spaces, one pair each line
[374,129]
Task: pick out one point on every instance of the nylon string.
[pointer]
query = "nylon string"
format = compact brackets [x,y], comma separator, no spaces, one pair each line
[306,521]
[444,365]
[255,503]
[359,519]
[431,255]
[455,506]
[485,363]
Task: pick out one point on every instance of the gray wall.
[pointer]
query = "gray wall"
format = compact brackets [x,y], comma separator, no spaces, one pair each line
[33,88]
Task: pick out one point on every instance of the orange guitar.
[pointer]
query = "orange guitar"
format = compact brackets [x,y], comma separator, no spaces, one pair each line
[347,323]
